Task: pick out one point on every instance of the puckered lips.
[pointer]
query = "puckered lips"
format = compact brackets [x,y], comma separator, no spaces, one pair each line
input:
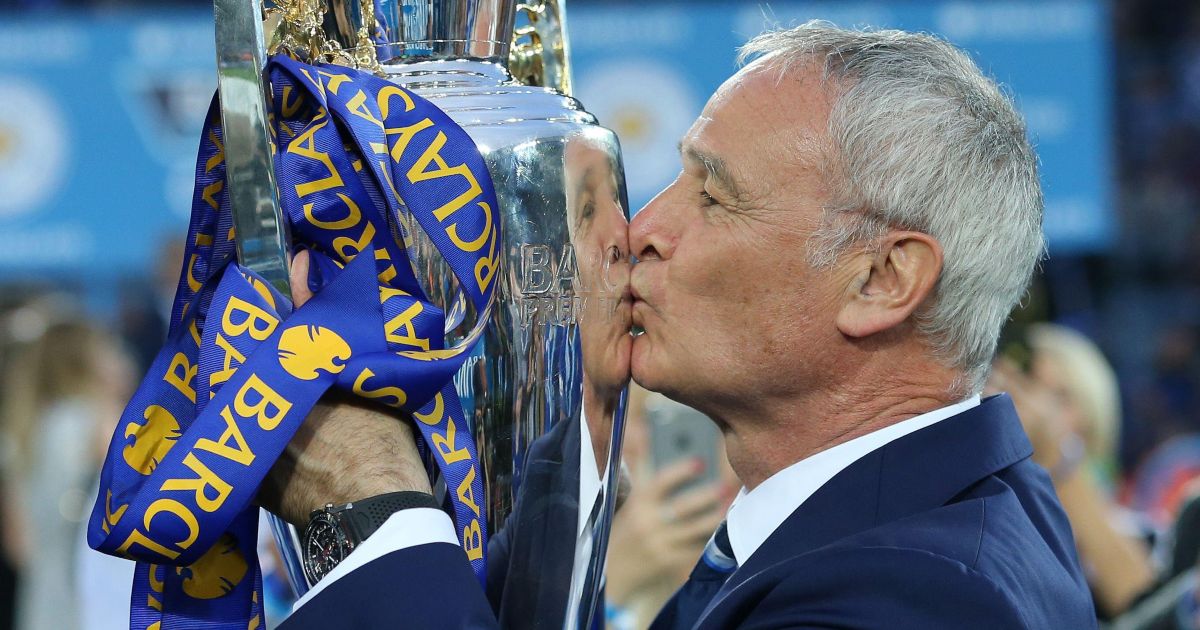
[638,306]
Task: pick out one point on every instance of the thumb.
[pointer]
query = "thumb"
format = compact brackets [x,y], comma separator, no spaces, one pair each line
[298,277]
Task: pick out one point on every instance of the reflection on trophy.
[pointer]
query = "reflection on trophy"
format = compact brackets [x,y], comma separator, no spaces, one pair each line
[544,391]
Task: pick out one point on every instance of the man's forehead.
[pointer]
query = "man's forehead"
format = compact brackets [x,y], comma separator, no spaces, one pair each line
[763,115]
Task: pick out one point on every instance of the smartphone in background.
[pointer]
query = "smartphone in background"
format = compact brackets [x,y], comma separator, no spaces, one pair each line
[678,432]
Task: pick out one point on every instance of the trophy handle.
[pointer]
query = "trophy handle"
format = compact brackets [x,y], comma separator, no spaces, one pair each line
[260,231]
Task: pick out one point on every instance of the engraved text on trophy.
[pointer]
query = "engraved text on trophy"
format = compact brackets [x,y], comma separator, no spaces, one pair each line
[555,293]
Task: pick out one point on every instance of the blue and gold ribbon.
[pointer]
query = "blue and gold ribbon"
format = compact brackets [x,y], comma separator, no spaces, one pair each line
[357,159]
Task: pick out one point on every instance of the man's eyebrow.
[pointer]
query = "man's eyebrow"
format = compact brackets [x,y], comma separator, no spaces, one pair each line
[715,166]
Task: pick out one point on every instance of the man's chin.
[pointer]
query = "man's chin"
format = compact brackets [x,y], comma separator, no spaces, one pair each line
[644,382]
[640,367]
[646,370]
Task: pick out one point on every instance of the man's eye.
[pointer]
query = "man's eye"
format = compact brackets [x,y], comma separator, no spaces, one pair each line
[706,199]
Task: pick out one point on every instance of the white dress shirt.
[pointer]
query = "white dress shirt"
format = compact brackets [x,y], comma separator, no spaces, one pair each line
[754,515]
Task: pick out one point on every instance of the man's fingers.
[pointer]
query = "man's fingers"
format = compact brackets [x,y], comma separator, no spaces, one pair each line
[698,530]
[298,277]
[696,502]
[668,480]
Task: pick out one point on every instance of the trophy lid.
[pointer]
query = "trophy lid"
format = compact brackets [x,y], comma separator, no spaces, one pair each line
[409,30]
[368,34]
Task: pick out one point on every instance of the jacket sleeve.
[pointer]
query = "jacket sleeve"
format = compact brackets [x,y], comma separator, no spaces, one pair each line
[426,586]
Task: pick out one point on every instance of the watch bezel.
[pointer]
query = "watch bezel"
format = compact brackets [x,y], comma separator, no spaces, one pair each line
[326,531]
[334,532]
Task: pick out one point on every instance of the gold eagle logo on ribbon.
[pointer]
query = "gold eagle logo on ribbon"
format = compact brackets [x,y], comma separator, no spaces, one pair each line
[151,440]
[217,572]
[306,351]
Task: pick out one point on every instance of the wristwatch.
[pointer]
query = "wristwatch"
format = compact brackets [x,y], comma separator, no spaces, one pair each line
[335,531]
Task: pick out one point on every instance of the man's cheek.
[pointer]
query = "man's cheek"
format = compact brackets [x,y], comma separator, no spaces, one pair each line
[710,279]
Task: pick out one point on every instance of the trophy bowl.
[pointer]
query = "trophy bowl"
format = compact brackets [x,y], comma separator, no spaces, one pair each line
[544,390]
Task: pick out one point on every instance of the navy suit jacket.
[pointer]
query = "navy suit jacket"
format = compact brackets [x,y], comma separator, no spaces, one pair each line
[949,527]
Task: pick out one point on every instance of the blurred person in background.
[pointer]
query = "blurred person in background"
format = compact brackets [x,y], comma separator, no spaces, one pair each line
[62,395]
[21,320]
[671,512]
[1069,403]
[1167,416]
[144,313]
[1168,406]
[1076,372]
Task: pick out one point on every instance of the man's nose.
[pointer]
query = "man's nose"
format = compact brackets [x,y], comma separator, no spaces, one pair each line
[649,234]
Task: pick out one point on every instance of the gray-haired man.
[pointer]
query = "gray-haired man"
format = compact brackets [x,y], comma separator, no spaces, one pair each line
[856,216]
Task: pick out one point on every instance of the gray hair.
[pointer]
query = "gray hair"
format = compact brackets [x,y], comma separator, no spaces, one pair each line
[921,140]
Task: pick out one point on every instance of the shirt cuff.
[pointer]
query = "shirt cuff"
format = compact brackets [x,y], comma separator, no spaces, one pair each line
[404,529]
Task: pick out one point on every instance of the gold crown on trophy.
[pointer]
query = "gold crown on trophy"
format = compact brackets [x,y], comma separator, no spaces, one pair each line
[298,26]
[537,54]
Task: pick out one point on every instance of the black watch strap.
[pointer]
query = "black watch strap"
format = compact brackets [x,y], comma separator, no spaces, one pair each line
[368,515]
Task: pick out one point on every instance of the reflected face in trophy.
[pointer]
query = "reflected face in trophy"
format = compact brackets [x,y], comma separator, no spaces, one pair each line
[600,238]
[733,314]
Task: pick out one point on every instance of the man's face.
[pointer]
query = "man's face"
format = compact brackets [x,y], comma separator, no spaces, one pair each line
[729,305]
[600,236]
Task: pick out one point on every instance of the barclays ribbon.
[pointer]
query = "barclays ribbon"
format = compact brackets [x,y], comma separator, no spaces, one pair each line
[358,160]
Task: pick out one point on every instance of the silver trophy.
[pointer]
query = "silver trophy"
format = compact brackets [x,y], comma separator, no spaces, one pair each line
[545,390]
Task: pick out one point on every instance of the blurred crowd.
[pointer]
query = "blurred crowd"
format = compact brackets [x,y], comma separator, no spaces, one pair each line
[64,383]
[1148,289]
[1110,392]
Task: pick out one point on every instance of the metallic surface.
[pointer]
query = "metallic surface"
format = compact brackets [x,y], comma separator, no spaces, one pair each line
[544,392]
[553,364]
[262,241]
[431,29]
[530,36]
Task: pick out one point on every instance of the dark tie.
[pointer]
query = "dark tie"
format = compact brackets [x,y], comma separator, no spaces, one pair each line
[715,566]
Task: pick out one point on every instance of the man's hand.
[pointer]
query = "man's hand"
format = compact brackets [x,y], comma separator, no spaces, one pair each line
[346,450]
[660,532]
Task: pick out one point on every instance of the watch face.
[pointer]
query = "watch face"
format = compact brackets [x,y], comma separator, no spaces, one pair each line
[324,547]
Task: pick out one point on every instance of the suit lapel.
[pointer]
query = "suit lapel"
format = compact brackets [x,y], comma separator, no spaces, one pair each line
[915,473]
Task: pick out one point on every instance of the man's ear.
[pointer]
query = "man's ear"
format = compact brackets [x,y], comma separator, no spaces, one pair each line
[900,275]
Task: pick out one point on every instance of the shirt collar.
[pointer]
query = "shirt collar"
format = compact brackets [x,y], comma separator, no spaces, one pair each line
[756,514]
